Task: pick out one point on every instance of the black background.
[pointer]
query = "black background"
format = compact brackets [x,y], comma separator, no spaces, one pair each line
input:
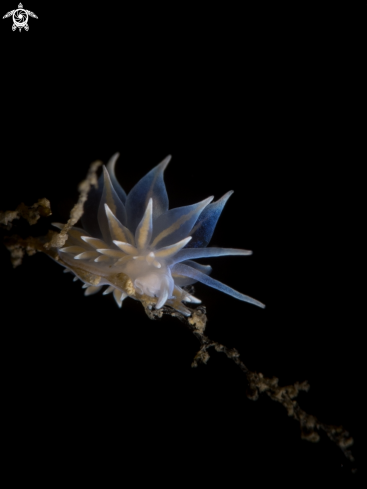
[265,102]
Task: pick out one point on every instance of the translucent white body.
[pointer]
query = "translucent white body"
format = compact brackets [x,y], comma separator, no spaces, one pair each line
[138,235]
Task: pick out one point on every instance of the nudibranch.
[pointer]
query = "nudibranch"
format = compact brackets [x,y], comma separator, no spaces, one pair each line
[138,248]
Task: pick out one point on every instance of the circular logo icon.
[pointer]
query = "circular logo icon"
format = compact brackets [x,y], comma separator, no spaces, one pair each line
[20,17]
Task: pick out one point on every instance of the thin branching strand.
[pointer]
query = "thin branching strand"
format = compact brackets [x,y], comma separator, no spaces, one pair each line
[194,319]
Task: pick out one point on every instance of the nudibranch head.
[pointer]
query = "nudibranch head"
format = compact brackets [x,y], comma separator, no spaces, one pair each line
[139,248]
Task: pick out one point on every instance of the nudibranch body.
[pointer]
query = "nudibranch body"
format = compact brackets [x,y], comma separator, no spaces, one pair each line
[139,248]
